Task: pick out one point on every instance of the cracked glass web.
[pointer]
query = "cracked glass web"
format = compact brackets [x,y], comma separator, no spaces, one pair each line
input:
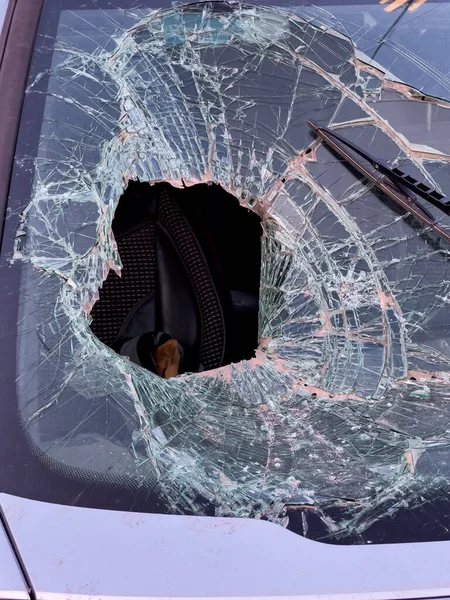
[344,413]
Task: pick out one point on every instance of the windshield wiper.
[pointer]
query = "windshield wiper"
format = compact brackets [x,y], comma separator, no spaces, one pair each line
[392,181]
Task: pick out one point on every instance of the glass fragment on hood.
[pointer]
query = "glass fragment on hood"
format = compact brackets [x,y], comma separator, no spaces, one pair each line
[346,401]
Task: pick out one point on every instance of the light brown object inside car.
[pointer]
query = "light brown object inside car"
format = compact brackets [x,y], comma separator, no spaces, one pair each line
[167,359]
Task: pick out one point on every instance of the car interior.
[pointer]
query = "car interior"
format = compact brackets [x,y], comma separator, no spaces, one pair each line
[187,297]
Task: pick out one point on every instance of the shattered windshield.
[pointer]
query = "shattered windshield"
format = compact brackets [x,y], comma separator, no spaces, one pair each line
[340,422]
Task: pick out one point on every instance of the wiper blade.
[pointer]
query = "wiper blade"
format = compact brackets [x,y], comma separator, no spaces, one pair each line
[392,181]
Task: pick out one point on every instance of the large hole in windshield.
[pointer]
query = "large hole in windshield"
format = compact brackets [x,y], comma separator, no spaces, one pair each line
[187,297]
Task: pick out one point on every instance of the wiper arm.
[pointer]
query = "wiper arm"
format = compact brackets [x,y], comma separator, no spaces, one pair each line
[392,181]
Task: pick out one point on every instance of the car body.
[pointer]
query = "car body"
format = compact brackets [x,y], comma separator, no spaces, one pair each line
[99,497]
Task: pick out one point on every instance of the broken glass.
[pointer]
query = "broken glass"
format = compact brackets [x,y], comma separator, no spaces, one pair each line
[342,419]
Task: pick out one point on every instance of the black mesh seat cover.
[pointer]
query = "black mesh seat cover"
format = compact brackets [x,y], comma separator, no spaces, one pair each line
[167,283]
[119,295]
